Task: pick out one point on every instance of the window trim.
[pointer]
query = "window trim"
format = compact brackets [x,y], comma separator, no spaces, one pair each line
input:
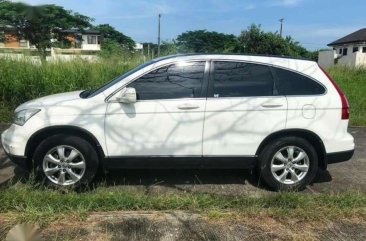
[203,88]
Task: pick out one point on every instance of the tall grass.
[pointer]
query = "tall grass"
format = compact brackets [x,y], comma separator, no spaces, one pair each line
[21,80]
[353,82]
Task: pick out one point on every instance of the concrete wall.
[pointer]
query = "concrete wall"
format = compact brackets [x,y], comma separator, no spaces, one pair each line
[326,58]
[54,54]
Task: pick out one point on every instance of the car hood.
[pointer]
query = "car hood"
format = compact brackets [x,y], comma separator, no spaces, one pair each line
[50,100]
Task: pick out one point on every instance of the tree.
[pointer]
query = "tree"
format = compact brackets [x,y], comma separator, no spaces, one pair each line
[256,41]
[111,34]
[39,24]
[202,41]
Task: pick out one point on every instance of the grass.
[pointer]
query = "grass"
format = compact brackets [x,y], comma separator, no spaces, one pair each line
[353,82]
[39,204]
[21,80]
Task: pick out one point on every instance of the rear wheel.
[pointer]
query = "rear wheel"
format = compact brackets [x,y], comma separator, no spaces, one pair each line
[288,163]
[63,160]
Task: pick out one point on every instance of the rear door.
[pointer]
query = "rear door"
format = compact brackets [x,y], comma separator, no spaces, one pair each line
[241,109]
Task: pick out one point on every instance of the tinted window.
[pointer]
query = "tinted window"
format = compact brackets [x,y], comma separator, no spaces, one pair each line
[291,83]
[234,79]
[183,80]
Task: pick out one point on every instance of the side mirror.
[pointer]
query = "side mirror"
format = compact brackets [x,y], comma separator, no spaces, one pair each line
[127,96]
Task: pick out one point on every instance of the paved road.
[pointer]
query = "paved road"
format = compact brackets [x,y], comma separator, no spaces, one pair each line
[339,177]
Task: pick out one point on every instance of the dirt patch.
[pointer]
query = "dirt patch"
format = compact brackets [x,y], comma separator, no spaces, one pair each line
[180,225]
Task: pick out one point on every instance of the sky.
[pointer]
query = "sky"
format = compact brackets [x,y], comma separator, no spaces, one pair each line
[313,23]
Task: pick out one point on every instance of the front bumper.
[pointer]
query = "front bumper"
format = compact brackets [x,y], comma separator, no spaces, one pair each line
[19,160]
[342,156]
[14,140]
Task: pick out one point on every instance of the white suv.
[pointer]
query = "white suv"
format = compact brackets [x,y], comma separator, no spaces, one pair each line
[284,116]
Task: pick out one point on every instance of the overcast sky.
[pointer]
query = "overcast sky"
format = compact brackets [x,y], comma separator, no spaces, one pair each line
[313,23]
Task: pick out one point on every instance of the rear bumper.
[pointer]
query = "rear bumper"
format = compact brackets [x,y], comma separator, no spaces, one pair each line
[342,156]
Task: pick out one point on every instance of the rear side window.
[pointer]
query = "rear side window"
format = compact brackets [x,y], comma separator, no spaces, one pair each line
[291,83]
[237,79]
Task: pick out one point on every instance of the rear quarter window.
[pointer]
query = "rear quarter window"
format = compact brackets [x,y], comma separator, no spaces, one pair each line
[292,83]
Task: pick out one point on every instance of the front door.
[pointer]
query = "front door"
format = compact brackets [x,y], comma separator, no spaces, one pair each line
[166,120]
[242,109]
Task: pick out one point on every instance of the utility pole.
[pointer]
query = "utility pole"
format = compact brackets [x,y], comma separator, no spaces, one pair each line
[281,20]
[159,35]
[148,50]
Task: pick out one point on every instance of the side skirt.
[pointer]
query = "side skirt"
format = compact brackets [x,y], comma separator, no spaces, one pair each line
[181,162]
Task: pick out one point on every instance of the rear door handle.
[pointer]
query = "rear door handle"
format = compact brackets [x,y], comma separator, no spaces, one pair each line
[271,105]
[188,106]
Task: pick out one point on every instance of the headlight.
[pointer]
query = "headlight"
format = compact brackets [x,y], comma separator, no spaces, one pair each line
[22,116]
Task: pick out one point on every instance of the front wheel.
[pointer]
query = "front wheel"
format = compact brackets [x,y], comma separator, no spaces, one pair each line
[288,163]
[64,160]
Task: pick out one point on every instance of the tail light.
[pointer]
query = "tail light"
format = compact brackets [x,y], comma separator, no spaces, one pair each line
[345,105]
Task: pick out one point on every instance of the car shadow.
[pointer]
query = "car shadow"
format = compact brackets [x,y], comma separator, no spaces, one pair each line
[157,177]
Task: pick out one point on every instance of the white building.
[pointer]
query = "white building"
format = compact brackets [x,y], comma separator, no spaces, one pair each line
[349,50]
[85,40]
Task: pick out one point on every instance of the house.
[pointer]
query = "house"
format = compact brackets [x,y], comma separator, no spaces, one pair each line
[349,50]
[80,39]
[86,39]
[10,39]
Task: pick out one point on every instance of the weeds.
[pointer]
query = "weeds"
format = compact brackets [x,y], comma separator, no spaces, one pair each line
[40,204]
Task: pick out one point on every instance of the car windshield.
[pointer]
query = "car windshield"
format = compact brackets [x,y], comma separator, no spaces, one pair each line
[115,80]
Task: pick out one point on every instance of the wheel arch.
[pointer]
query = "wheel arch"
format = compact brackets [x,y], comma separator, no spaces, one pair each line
[310,136]
[43,133]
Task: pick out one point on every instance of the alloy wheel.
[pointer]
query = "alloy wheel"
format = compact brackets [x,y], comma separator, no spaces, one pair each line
[64,165]
[290,165]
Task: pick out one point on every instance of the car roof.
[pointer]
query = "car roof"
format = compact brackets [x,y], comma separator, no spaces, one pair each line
[280,61]
[230,55]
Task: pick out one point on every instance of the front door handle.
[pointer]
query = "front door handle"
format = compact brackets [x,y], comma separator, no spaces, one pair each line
[188,106]
[271,105]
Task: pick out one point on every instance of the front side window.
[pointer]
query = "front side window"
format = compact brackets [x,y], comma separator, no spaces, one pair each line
[238,79]
[181,80]
[291,83]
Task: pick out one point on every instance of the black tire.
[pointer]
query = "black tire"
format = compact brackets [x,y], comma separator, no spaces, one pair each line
[268,153]
[84,148]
